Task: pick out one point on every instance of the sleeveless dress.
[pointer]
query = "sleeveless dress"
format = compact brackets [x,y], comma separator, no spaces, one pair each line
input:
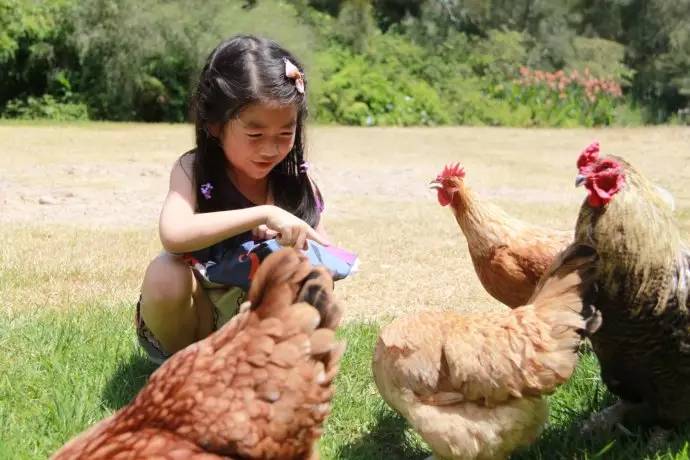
[225,269]
[226,299]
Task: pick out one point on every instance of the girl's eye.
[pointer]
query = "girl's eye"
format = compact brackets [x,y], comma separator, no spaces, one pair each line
[286,134]
[254,135]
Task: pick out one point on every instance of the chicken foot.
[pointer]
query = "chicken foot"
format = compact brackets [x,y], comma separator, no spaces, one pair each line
[658,439]
[614,416]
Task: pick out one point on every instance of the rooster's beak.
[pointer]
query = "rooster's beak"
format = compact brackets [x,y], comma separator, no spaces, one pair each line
[580,179]
[435,185]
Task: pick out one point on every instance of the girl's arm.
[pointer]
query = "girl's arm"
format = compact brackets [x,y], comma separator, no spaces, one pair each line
[183,230]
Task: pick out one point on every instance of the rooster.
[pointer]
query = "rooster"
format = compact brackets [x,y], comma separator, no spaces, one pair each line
[260,387]
[643,276]
[509,255]
[472,384]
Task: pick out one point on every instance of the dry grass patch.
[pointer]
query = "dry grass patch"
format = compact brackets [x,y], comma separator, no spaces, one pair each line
[56,266]
[107,183]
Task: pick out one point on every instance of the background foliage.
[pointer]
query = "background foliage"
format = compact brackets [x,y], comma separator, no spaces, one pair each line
[369,62]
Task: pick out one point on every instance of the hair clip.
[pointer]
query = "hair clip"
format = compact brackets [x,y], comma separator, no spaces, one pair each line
[206,190]
[304,167]
[293,73]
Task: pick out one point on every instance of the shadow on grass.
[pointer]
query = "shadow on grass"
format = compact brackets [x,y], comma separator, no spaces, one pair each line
[567,442]
[387,439]
[129,377]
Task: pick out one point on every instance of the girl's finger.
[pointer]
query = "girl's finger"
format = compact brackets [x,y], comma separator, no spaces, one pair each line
[301,240]
[285,237]
[261,232]
[314,235]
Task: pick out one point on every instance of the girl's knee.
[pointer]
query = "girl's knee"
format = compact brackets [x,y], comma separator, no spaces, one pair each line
[167,302]
[168,280]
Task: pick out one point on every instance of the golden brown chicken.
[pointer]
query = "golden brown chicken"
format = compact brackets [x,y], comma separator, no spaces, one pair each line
[472,384]
[259,387]
[643,279]
[509,255]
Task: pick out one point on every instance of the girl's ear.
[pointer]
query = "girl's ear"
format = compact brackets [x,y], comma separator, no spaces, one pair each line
[214,129]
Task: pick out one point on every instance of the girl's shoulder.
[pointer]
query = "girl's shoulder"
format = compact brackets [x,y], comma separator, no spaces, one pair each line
[182,176]
[186,162]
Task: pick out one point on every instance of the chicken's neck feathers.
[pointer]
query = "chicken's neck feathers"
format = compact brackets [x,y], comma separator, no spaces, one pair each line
[644,263]
[484,225]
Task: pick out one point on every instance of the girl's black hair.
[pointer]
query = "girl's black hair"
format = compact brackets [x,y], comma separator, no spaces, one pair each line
[240,71]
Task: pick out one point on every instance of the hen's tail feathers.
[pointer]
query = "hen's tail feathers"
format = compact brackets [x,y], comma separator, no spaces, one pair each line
[287,277]
[300,297]
[565,292]
[317,291]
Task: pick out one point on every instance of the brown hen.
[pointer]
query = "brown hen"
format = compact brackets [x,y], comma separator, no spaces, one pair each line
[509,255]
[472,384]
[260,387]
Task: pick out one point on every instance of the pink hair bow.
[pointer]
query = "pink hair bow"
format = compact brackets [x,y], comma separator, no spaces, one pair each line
[292,72]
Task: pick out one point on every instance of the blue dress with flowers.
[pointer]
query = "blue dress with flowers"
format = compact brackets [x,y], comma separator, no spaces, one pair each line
[225,269]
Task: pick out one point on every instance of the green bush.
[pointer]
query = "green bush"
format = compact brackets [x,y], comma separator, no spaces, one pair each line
[471,101]
[45,107]
[33,48]
[369,62]
[471,74]
[468,80]
[357,92]
[141,61]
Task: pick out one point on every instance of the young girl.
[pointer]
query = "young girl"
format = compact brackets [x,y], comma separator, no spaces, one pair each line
[246,179]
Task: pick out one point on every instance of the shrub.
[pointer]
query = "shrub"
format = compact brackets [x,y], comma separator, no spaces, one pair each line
[566,99]
[357,92]
[45,107]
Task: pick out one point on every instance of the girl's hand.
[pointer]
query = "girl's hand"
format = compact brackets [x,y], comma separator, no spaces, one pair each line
[291,230]
[262,232]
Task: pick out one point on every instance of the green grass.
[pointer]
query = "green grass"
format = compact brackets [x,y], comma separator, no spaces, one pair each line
[64,370]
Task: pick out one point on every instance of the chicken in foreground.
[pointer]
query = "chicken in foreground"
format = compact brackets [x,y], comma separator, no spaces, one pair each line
[472,385]
[509,255]
[260,387]
[643,279]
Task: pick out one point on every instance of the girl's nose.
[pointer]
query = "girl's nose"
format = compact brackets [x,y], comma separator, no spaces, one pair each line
[270,150]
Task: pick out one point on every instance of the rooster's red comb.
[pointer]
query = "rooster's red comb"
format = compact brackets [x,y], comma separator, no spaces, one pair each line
[589,155]
[452,171]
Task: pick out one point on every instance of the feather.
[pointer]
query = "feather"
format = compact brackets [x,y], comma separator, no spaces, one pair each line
[260,387]
[472,384]
[509,255]
[642,295]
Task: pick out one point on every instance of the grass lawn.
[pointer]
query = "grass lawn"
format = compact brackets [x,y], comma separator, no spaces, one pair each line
[70,269]
[66,370]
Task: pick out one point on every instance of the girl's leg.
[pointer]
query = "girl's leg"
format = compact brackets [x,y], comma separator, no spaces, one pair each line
[174,306]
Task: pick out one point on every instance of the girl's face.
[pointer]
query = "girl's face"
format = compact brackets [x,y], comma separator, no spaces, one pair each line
[259,138]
